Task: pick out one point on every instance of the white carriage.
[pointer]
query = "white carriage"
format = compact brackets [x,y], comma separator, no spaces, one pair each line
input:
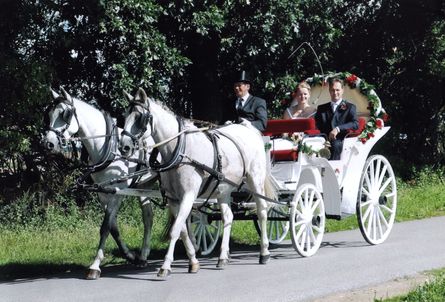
[311,188]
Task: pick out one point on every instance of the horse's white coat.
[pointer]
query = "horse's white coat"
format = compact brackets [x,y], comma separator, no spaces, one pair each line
[182,183]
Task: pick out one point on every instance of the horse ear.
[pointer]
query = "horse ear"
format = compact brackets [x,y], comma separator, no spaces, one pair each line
[67,95]
[128,96]
[141,96]
[54,93]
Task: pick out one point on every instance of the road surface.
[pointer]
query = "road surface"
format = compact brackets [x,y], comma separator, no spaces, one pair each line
[344,262]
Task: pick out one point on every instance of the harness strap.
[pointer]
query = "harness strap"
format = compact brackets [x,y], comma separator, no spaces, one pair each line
[220,176]
[238,147]
[216,164]
[177,156]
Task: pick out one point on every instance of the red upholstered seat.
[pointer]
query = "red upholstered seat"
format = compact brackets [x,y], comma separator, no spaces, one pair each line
[361,126]
[278,127]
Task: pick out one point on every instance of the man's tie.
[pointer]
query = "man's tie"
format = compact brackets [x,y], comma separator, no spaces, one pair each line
[333,105]
[239,104]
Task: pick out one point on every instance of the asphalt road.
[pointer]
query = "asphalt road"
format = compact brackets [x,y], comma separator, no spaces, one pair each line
[343,263]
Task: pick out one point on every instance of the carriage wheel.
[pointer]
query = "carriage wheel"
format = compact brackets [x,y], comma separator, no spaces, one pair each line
[377,200]
[276,229]
[205,231]
[307,220]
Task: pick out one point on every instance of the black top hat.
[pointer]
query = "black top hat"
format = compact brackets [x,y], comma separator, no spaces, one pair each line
[243,77]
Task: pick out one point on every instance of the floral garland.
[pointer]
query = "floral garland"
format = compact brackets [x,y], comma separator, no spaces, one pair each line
[378,115]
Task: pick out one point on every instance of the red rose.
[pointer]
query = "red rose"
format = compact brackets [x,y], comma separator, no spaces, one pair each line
[385,117]
[379,123]
[363,140]
[351,80]
[370,134]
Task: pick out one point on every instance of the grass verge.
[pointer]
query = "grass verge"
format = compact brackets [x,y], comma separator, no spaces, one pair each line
[68,239]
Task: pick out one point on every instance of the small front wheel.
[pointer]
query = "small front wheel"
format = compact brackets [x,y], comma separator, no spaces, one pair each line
[377,200]
[277,227]
[307,220]
[204,232]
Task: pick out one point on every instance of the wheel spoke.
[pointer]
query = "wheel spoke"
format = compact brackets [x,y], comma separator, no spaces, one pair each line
[377,172]
[387,182]
[299,223]
[382,174]
[387,209]
[210,234]
[300,231]
[365,191]
[367,212]
[366,203]
[368,185]
[371,172]
[370,220]
[379,223]
[312,235]
[315,205]
[382,217]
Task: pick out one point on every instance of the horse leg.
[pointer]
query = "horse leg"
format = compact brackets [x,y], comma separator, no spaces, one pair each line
[261,206]
[94,270]
[185,207]
[147,217]
[190,250]
[227,218]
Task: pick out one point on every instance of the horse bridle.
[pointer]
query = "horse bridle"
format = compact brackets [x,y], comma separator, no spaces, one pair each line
[141,124]
[67,116]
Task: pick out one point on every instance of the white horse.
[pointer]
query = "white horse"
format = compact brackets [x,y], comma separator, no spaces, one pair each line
[70,116]
[242,157]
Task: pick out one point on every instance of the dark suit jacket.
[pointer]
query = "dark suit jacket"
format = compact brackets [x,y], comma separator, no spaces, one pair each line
[344,117]
[255,111]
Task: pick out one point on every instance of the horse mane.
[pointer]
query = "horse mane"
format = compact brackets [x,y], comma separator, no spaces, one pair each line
[187,122]
[86,104]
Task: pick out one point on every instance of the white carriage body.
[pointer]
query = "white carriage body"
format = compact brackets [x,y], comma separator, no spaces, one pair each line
[338,180]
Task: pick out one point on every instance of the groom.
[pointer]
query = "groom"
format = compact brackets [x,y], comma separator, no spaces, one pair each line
[336,117]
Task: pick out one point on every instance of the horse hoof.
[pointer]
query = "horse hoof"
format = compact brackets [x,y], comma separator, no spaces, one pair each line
[92,274]
[194,268]
[264,259]
[164,273]
[222,263]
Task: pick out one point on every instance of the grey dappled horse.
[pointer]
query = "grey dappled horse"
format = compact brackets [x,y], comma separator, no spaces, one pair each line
[185,150]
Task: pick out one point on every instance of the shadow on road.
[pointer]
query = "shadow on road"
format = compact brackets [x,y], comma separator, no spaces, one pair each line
[241,254]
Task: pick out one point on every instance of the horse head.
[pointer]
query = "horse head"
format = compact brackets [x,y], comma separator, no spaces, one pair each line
[138,122]
[63,122]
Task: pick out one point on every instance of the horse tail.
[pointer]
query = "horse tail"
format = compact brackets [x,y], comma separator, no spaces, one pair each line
[269,188]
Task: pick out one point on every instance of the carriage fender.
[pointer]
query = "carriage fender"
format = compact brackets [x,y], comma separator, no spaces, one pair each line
[327,183]
[310,174]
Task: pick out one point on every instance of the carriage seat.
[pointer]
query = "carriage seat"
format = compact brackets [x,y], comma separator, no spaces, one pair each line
[361,127]
[278,127]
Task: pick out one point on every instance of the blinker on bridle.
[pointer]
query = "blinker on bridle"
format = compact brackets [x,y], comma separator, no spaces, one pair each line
[141,123]
[67,116]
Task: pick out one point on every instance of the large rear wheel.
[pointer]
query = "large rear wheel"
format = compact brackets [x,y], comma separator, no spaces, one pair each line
[377,200]
[307,220]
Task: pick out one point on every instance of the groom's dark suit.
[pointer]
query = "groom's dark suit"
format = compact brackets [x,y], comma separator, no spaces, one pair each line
[255,111]
[344,117]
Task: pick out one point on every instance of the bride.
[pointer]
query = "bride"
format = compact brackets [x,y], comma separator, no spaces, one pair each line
[299,106]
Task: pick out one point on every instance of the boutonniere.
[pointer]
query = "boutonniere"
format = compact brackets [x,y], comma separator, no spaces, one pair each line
[343,106]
